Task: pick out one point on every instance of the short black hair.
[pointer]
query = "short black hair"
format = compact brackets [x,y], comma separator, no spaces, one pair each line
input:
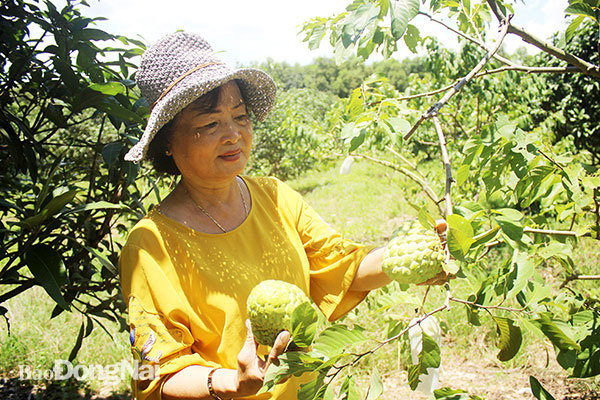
[157,149]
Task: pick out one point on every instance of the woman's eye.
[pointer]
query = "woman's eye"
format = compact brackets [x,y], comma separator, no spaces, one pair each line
[242,117]
[210,125]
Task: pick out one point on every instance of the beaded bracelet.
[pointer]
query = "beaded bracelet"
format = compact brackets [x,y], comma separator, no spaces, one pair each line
[209,384]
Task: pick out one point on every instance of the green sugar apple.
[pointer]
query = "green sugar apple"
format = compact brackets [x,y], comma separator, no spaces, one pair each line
[414,256]
[270,306]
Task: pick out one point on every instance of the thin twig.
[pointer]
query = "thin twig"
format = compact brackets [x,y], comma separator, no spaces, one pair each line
[469,38]
[473,304]
[597,202]
[424,185]
[583,65]
[434,92]
[577,277]
[552,232]
[462,82]
[403,159]
[514,67]
[447,165]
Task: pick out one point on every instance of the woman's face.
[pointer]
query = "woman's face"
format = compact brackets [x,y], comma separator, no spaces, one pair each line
[213,146]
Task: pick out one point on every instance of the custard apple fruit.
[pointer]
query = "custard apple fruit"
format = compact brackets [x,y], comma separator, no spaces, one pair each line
[414,257]
[270,306]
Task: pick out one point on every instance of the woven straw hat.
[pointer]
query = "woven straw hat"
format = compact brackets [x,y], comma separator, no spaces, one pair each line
[180,68]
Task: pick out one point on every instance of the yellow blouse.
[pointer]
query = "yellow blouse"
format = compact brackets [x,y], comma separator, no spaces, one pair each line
[186,290]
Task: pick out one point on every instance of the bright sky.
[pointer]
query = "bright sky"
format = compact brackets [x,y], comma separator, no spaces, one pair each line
[254,30]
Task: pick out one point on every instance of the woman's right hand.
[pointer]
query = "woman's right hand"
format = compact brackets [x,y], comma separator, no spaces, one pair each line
[252,369]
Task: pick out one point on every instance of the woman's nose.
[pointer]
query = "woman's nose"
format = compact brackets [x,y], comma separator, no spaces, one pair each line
[232,133]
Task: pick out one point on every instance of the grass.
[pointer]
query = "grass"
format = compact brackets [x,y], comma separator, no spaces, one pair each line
[366,206]
[36,342]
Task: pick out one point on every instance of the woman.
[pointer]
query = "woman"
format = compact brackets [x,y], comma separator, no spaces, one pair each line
[189,265]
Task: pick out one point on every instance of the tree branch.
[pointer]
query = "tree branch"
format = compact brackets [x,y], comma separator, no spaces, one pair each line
[577,277]
[467,37]
[462,82]
[424,185]
[447,165]
[583,65]
[473,304]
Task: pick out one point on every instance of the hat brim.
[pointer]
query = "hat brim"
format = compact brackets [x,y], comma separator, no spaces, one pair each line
[258,88]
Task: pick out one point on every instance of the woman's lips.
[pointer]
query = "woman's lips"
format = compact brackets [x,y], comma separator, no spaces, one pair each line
[231,155]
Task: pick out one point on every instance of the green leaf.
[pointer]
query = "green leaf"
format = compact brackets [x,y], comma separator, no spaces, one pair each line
[429,357]
[524,269]
[111,153]
[460,236]
[103,260]
[348,389]
[511,228]
[447,393]
[538,390]
[399,125]
[582,9]
[116,110]
[412,38]
[78,342]
[49,270]
[425,218]
[290,363]
[462,174]
[556,335]
[97,205]
[357,141]
[570,32]
[304,325]
[336,338]
[401,12]
[485,237]
[67,75]
[313,390]
[91,34]
[376,386]
[510,338]
[109,89]
[510,213]
[53,207]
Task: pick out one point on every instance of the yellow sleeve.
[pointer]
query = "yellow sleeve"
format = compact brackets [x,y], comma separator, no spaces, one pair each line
[160,337]
[333,261]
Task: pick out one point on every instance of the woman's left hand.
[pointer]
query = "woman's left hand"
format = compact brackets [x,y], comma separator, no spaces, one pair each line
[441,227]
[251,368]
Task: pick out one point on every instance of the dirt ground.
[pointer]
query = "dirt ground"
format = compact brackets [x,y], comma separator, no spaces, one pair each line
[490,380]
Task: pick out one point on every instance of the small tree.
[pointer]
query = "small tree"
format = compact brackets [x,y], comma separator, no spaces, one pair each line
[68,111]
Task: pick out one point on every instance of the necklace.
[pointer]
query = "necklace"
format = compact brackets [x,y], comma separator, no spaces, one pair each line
[210,216]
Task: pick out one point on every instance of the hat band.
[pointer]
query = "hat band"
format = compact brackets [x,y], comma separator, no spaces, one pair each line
[168,89]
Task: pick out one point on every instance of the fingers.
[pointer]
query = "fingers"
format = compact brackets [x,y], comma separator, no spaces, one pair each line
[441,227]
[249,335]
[247,355]
[278,348]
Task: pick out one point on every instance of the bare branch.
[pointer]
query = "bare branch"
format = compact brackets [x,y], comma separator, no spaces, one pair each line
[462,82]
[577,277]
[583,65]
[447,165]
[424,185]
[467,37]
[554,232]
[530,70]
[418,95]
[404,160]
[473,304]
